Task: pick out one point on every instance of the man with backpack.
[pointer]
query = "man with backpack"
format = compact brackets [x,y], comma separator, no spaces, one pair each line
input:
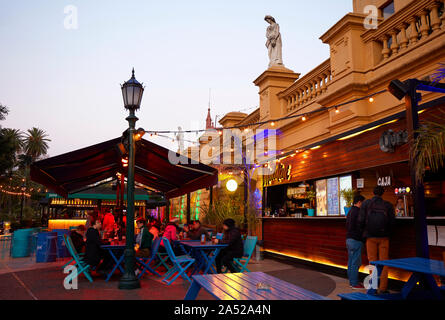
[376,219]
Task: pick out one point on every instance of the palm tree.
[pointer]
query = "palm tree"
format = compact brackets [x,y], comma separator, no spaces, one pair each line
[16,137]
[429,147]
[36,143]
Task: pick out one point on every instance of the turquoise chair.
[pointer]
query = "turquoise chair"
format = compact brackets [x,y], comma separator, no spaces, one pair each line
[240,264]
[145,262]
[219,236]
[180,264]
[81,255]
[82,266]
[162,258]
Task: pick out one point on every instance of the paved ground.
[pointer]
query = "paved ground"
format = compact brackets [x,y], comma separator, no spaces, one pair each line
[22,278]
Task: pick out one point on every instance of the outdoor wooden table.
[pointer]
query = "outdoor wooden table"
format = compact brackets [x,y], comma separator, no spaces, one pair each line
[119,249]
[421,268]
[243,286]
[205,254]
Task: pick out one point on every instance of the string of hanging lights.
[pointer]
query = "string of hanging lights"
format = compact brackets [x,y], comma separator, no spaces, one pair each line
[304,117]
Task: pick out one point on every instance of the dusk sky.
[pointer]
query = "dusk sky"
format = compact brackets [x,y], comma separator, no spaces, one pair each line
[67,81]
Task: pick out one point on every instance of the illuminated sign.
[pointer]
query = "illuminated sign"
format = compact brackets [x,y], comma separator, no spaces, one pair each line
[384,181]
[282,173]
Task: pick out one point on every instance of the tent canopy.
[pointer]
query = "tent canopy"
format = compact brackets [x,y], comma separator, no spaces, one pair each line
[72,171]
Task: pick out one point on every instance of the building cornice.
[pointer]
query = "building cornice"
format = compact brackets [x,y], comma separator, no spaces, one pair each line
[349,21]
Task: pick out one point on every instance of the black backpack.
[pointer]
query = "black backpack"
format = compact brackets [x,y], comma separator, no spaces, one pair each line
[377,219]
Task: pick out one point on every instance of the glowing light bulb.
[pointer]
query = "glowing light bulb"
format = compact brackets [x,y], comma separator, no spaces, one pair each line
[232,185]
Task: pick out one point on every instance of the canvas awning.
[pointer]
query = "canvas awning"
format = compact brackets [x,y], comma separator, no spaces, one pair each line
[72,171]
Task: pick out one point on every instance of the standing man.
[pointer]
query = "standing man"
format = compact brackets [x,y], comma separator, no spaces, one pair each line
[377,219]
[354,242]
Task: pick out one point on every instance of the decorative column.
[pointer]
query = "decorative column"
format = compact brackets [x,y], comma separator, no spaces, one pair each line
[414,36]
[318,86]
[424,28]
[306,94]
[435,20]
[394,45]
[403,37]
[385,51]
[323,84]
[312,86]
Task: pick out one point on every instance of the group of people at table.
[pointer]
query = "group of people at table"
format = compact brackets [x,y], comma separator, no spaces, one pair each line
[90,238]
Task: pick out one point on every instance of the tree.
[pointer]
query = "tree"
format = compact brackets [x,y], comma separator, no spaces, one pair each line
[36,143]
[7,153]
[429,146]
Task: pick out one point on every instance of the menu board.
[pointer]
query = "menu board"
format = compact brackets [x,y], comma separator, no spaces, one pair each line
[333,197]
[321,197]
[345,183]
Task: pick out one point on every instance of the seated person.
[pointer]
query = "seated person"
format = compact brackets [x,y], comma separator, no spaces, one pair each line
[170,233]
[185,231]
[154,230]
[95,256]
[77,236]
[197,231]
[144,239]
[235,248]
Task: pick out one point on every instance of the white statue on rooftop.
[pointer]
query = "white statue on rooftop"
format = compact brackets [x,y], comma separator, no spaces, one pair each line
[180,139]
[274,44]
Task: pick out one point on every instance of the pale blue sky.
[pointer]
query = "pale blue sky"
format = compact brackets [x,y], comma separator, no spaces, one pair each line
[67,81]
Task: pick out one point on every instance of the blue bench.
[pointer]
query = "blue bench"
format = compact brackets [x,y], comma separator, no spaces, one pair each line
[243,286]
[358,296]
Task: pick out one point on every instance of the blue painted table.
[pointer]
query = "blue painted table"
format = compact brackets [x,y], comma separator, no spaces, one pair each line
[205,254]
[119,250]
[243,286]
[422,270]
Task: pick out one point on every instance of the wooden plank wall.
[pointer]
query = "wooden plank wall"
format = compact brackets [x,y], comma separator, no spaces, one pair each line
[324,241]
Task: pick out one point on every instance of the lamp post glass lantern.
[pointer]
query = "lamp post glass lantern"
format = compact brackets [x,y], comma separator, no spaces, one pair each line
[132,92]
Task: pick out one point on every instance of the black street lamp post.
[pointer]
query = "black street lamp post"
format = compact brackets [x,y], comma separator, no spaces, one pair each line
[132,92]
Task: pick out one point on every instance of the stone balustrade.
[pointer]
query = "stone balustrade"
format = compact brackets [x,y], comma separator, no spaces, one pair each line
[307,88]
[417,22]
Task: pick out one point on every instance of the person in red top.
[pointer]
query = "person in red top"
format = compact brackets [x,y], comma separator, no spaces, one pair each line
[170,233]
[108,223]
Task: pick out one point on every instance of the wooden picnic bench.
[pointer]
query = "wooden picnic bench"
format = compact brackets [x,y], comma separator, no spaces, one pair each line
[243,286]
[422,271]
[358,296]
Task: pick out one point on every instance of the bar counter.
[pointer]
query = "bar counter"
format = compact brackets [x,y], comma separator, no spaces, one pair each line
[323,240]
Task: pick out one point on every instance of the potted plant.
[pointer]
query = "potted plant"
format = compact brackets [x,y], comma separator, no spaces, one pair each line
[311,195]
[348,195]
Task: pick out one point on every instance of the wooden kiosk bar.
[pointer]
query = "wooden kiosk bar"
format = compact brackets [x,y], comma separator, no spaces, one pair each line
[356,160]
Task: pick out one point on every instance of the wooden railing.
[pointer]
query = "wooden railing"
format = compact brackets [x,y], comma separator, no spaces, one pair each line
[416,22]
[307,88]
